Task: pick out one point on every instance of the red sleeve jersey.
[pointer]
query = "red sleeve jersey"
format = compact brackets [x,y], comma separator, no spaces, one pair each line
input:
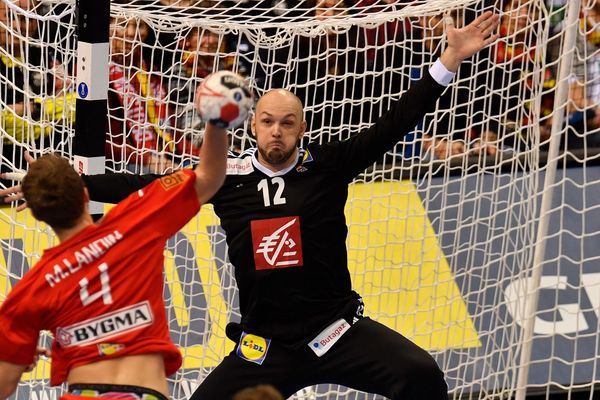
[101,292]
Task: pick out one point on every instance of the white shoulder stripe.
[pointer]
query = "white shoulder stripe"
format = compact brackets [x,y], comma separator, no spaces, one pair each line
[249,152]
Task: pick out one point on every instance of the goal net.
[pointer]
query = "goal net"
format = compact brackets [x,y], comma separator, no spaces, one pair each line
[476,236]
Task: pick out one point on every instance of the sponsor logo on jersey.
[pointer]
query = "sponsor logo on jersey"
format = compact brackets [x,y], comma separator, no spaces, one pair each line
[306,157]
[277,243]
[168,182]
[106,349]
[328,337]
[106,326]
[239,166]
[253,348]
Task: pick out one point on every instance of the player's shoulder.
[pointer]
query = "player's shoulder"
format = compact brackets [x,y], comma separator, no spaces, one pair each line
[169,181]
[317,153]
[153,196]
[29,289]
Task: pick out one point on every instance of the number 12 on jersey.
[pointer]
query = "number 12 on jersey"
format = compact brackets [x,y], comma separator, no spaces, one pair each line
[278,199]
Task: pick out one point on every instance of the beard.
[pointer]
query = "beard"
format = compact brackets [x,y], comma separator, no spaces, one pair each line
[276,156]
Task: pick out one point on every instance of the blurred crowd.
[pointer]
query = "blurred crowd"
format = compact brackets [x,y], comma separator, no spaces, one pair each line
[346,77]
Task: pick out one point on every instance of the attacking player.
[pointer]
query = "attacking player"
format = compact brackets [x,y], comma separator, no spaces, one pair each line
[100,291]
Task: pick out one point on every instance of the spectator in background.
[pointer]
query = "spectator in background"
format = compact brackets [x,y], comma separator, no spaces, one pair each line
[263,63]
[385,54]
[592,31]
[139,116]
[516,57]
[591,28]
[328,72]
[451,132]
[592,23]
[329,45]
[518,60]
[36,97]
[381,36]
[584,90]
[202,52]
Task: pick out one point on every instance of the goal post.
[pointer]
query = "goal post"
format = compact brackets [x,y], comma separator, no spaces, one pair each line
[490,201]
[91,87]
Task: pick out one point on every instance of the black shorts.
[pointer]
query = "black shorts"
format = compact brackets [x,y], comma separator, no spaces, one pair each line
[369,357]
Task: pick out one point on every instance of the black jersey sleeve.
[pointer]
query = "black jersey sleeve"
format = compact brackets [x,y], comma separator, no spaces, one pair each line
[112,187]
[355,154]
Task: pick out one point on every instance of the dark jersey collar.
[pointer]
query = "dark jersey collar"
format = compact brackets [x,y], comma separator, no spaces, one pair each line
[267,171]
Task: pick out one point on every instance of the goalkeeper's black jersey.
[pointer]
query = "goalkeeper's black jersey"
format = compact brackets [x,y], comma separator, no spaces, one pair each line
[286,231]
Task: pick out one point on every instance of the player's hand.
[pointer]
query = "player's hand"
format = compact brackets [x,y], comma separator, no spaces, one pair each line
[39,352]
[223,99]
[468,40]
[14,194]
[159,164]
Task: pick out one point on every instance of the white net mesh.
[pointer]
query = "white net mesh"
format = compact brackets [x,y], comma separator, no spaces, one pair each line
[443,230]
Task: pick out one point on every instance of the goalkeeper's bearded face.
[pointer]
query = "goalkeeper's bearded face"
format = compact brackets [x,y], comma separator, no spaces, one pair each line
[278,126]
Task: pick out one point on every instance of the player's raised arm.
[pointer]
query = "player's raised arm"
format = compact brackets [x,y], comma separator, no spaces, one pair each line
[210,171]
[468,40]
[223,101]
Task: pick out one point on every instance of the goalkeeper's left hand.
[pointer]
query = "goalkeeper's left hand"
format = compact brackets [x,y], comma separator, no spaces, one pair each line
[468,40]
[14,194]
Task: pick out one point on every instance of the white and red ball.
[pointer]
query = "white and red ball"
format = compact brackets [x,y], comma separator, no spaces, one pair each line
[223,99]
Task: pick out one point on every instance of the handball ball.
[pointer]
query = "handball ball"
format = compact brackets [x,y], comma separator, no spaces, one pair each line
[223,99]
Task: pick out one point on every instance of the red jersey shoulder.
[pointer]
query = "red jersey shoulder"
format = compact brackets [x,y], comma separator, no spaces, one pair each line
[158,189]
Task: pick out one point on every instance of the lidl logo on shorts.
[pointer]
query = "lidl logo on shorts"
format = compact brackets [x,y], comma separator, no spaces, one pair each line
[253,348]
